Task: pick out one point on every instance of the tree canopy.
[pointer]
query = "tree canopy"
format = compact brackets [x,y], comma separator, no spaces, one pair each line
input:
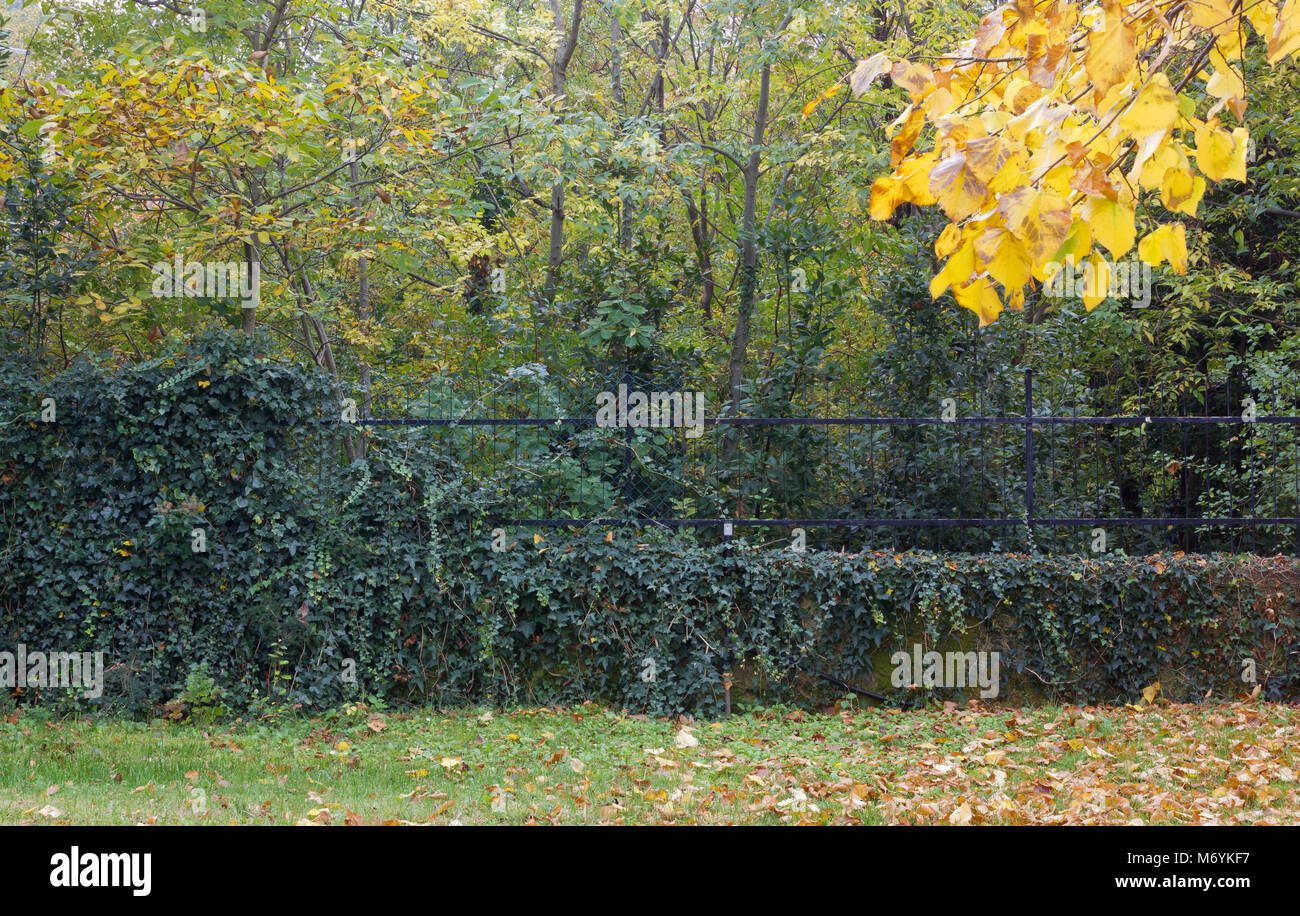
[725,191]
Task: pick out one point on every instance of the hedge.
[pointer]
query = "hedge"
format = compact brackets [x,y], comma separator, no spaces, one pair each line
[323,581]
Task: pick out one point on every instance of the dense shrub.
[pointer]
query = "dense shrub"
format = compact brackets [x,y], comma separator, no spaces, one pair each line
[316,569]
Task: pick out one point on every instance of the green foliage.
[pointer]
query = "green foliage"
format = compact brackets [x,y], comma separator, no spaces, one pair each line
[316,571]
[201,695]
[37,271]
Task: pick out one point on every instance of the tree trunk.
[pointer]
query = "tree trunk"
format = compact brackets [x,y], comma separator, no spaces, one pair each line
[363,306]
[698,217]
[626,208]
[748,249]
[252,262]
[559,67]
[324,352]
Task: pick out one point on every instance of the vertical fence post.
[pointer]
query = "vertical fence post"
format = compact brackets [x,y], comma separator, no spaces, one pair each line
[726,632]
[1029,450]
[627,451]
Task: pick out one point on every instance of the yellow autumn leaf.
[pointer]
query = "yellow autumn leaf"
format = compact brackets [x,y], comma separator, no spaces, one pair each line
[1285,39]
[1155,155]
[1211,14]
[1182,190]
[1241,147]
[911,121]
[938,103]
[1166,244]
[1154,109]
[956,187]
[1262,17]
[1149,693]
[1077,244]
[1111,224]
[915,173]
[1040,219]
[808,109]
[1012,174]
[887,193]
[684,740]
[1004,257]
[1095,283]
[1215,151]
[957,270]
[917,79]
[909,184]
[867,71]
[947,241]
[981,298]
[1226,83]
[985,156]
[1112,51]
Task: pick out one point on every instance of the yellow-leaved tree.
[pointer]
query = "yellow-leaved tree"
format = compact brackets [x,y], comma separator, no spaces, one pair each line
[1053,121]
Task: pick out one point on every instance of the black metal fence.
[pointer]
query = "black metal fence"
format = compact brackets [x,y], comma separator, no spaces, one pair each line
[993,468]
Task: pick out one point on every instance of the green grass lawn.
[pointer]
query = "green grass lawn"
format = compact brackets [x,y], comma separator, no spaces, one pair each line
[1217,763]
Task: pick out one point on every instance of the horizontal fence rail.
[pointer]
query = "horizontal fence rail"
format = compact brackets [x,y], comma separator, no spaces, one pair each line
[824,421]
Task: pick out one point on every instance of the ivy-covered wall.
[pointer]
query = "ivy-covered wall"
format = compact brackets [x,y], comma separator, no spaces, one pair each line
[320,581]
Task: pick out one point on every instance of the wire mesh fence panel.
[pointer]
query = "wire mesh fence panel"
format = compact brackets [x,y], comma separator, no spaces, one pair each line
[1005,462]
